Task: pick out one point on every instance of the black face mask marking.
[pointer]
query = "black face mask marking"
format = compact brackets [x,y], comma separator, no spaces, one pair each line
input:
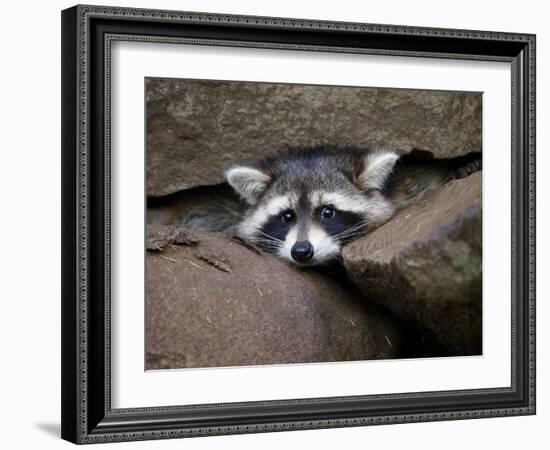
[334,221]
[277,226]
[337,222]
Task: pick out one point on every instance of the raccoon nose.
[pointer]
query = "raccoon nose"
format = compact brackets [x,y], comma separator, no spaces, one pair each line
[302,251]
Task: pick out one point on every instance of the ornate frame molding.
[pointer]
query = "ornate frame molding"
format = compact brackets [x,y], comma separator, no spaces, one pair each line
[86,421]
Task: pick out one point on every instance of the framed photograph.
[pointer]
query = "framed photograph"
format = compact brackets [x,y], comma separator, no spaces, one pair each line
[279,224]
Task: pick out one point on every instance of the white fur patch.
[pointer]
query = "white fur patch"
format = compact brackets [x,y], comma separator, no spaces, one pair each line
[248,182]
[378,167]
[380,209]
[259,216]
[325,247]
[352,203]
[285,250]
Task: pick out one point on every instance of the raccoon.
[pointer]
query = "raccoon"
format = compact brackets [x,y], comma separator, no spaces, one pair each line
[306,205]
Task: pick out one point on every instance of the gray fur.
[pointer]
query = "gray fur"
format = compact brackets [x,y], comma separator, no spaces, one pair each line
[350,179]
[211,208]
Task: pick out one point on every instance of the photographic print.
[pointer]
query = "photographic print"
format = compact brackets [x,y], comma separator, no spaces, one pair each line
[293,223]
[274,224]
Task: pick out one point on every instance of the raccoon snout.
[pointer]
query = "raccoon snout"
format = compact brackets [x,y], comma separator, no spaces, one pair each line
[302,251]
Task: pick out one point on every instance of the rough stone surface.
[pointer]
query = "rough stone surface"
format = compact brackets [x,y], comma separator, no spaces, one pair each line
[160,236]
[425,265]
[197,129]
[217,303]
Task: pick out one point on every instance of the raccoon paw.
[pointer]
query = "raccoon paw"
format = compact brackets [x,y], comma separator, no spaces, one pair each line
[467,169]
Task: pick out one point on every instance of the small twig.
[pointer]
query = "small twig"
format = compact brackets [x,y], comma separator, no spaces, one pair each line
[249,245]
[169,259]
[193,264]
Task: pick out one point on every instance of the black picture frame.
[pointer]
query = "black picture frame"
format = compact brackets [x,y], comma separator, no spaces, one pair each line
[87,415]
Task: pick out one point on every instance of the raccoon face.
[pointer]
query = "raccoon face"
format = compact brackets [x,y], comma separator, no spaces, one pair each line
[304,208]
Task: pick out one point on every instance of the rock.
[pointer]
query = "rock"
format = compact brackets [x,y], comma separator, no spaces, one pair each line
[159,236]
[425,265]
[214,302]
[197,129]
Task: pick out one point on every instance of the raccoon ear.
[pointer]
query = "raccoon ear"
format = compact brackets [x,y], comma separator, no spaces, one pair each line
[248,182]
[377,167]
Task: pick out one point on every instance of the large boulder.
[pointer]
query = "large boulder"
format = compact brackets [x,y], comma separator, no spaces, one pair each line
[211,301]
[197,129]
[425,265]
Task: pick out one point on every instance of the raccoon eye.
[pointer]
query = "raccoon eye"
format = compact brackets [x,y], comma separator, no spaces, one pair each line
[327,212]
[287,216]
